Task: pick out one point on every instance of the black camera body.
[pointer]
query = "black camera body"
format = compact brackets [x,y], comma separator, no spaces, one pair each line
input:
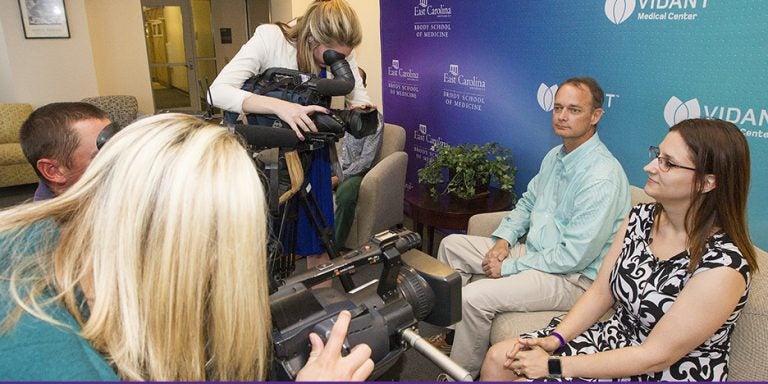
[412,287]
[309,89]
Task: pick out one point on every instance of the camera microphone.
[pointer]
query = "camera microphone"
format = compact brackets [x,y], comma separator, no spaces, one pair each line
[333,87]
[259,136]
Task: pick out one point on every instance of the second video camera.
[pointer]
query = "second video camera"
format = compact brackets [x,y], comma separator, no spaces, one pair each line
[412,286]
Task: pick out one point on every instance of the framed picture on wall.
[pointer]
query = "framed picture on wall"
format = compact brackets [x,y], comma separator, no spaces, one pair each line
[44,19]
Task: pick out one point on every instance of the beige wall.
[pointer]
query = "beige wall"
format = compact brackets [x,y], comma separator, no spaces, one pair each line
[40,71]
[106,54]
[119,50]
[369,52]
[228,14]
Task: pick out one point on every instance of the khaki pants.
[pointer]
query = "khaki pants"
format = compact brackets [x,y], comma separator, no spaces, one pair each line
[527,291]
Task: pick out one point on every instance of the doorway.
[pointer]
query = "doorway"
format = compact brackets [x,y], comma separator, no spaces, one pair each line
[181,53]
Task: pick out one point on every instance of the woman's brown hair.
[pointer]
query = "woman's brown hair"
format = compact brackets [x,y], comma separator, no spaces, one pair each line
[717,148]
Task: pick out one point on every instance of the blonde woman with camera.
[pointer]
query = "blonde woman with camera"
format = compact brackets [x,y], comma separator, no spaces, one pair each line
[151,267]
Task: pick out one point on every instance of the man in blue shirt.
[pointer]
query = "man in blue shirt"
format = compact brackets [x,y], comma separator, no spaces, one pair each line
[59,140]
[546,251]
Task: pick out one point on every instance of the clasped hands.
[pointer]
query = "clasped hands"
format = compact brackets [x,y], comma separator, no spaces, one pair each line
[494,258]
[529,356]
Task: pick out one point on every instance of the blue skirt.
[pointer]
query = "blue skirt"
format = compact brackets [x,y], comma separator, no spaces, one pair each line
[319,176]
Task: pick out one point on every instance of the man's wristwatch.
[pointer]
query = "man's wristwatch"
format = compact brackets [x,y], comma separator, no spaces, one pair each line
[555,368]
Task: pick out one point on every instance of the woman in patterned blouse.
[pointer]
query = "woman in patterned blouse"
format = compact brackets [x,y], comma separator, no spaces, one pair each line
[678,277]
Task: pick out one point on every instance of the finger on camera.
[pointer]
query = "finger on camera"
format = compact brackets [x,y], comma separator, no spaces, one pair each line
[296,130]
[362,372]
[308,124]
[359,354]
[338,333]
[312,108]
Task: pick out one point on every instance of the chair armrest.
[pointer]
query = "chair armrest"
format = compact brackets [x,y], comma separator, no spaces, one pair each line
[483,224]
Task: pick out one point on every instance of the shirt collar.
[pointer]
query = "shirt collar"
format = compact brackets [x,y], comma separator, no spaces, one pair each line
[42,192]
[582,151]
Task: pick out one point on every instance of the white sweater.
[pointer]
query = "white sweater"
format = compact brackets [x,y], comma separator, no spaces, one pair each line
[268,48]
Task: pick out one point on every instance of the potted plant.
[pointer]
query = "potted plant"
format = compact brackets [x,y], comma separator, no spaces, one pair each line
[470,168]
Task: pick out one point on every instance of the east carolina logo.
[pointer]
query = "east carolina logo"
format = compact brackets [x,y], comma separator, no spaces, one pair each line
[546,96]
[676,111]
[425,9]
[453,76]
[618,11]
[423,129]
[396,64]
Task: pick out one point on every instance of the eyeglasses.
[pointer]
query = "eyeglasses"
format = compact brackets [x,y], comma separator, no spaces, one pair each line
[664,163]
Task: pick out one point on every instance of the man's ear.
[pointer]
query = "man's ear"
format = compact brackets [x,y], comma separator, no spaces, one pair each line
[596,115]
[710,183]
[49,168]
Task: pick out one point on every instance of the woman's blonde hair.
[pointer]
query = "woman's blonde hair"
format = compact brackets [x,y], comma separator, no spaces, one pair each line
[168,228]
[329,22]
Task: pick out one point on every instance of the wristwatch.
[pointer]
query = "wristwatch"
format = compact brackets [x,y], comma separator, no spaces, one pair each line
[555,368]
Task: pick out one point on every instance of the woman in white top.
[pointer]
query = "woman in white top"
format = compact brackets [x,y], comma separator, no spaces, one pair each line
[325,25]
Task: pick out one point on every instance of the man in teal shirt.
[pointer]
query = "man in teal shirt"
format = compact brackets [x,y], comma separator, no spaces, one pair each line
[567,219]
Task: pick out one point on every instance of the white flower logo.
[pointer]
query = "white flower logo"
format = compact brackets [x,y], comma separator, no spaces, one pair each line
[546,96]
[618,11]
[676,111]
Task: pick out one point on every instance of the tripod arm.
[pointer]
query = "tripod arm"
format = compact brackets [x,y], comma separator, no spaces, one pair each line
[444,362]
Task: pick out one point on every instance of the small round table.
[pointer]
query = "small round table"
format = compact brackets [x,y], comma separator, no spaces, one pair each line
[450,212]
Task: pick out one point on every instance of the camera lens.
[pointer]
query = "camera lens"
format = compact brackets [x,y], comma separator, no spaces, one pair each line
[415,291]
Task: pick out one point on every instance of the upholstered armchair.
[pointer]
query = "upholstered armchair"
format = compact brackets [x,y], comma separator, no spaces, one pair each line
[14,168]
[122,109]
[382,190]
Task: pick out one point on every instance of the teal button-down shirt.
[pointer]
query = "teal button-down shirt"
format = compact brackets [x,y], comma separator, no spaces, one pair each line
[571,212]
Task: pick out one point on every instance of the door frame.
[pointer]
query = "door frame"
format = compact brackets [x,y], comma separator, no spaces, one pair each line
[190,54]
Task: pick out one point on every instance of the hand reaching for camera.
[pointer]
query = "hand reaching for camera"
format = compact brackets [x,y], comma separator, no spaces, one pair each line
[325,362]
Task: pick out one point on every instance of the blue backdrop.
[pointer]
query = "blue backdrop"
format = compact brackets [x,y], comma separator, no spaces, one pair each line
[458,71]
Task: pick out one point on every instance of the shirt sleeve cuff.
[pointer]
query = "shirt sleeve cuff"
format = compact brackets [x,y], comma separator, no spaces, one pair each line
[506,235]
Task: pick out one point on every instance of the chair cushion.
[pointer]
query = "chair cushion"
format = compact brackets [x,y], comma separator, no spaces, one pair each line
[11,154]
[749,344]
[122,109]
[12,116]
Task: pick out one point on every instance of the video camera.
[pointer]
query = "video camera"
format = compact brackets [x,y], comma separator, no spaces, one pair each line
[308,89]
[384,311]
